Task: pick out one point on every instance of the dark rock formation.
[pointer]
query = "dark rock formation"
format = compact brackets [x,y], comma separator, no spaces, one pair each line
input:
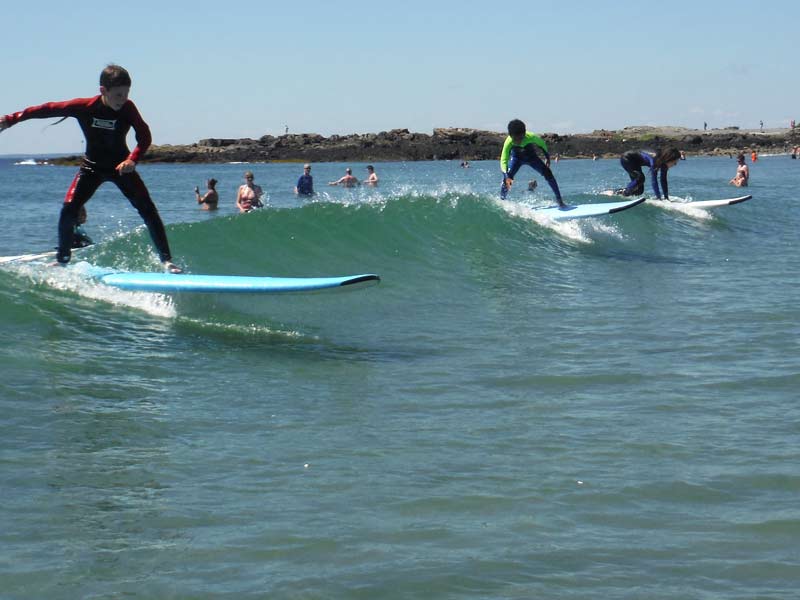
[461,144]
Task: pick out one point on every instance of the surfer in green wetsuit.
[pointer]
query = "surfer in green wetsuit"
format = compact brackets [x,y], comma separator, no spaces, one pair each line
[520,149]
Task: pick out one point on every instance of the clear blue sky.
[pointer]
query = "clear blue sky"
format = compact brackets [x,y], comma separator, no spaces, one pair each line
[245,69]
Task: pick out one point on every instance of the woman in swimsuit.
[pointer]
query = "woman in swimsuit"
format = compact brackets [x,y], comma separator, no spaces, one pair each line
[249,196]
[210,199]
[742,173]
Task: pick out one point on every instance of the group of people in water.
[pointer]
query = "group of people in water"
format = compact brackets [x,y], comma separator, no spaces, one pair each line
[249,195]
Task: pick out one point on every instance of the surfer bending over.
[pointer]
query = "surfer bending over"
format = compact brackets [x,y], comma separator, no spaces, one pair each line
[634,160]
[105,121]
[520,149]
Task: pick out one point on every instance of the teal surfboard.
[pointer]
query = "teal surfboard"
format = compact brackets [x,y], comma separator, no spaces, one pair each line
[225,284]
[216,284]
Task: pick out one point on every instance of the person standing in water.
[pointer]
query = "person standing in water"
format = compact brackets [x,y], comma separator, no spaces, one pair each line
[249,195]
[742,177]
[348,180]
[372,177]
[209,200]
[305,183]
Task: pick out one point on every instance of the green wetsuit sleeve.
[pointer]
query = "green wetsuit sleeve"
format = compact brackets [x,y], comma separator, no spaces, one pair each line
[505,154]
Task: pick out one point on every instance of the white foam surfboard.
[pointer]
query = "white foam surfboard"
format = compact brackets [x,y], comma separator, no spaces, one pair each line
[583,211]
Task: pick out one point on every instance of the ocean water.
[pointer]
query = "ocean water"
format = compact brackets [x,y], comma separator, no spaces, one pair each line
[596,409]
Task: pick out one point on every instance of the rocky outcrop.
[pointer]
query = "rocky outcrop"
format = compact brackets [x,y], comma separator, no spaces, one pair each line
[461,144]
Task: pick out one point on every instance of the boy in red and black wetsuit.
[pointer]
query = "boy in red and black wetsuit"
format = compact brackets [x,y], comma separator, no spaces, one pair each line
[105,121]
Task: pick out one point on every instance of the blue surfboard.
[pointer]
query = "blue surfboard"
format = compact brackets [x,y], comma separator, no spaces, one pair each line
[583,211]
[190,282]
[216,284]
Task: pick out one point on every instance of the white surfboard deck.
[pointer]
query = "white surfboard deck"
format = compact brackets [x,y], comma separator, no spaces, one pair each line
[583,211]
[695,203]
[711,203]
[26,257]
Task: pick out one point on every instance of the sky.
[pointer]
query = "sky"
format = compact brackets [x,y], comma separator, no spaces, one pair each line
[246,69]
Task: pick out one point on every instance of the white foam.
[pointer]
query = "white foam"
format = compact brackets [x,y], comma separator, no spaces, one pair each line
[251,329]
[76,279]
[682,206]
[571,229]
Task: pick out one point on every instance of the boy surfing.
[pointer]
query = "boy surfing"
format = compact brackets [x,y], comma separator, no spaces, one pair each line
[520,149]
[105,120]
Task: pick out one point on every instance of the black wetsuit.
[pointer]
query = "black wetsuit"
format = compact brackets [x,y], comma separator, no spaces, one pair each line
[105,130]
[633,162]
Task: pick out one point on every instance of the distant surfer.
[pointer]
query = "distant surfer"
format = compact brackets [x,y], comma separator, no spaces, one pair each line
[249,195]
[348,180]
[520,149]
[742,177]
[209,200]
[105,121]
[305,183]
[634,161]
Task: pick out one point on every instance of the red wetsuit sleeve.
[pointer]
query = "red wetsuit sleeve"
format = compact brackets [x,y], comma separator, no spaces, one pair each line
[68,108]
[142,130]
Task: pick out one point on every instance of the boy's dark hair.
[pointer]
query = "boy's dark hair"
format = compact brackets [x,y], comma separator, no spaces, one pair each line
[666,155]
[516,128]
[114,76]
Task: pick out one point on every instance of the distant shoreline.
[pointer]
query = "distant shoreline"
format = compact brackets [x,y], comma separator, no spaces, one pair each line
[461,144]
